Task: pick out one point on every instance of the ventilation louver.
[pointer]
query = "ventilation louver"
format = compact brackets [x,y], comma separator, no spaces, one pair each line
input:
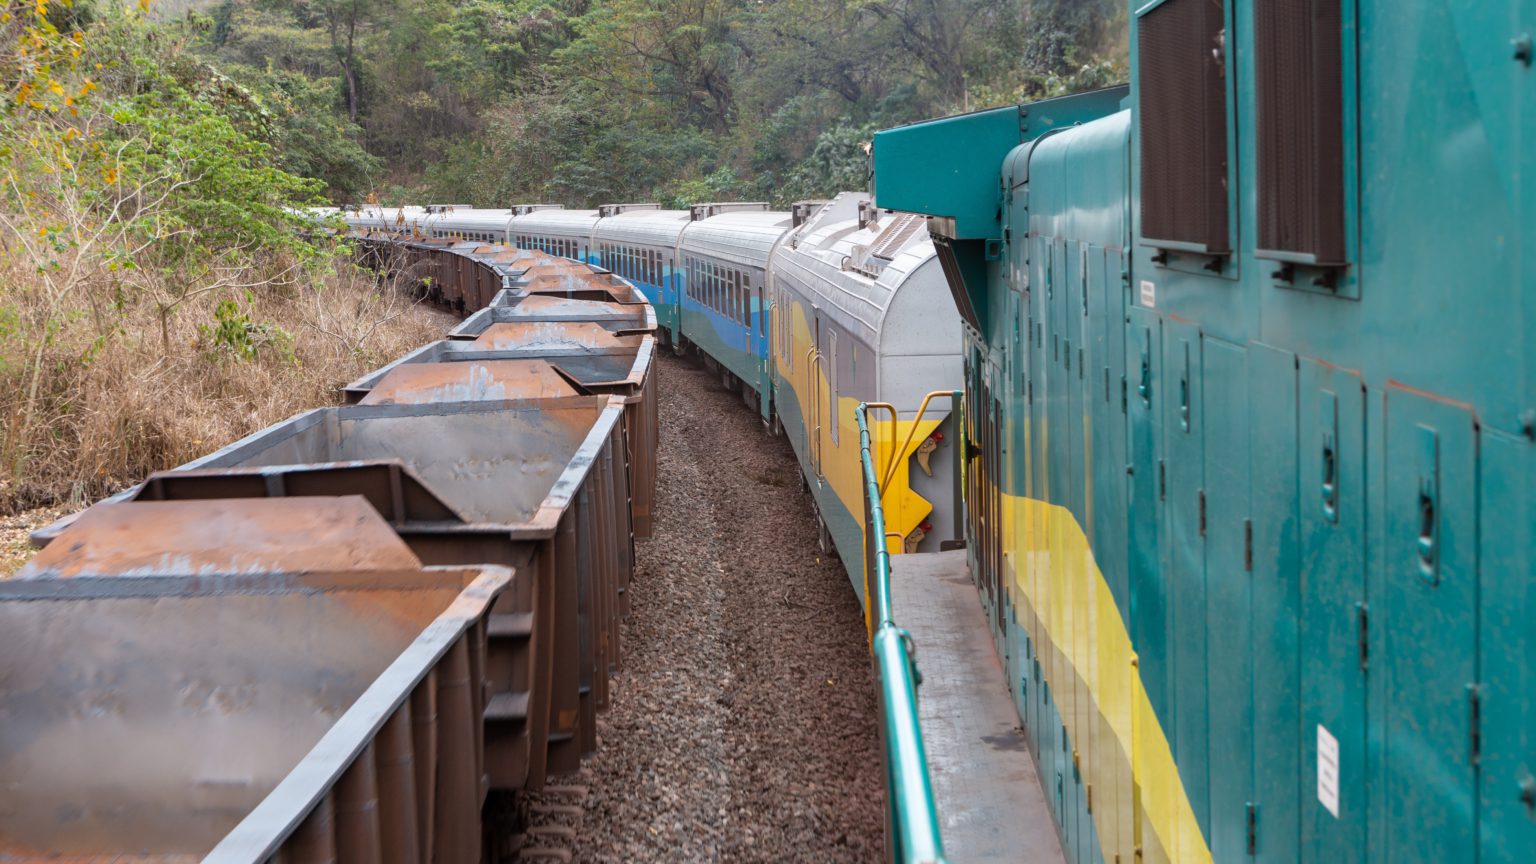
[1182,112]
[1298,54]
[895,236]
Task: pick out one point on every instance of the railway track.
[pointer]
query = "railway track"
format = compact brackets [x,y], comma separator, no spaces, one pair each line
[743,725]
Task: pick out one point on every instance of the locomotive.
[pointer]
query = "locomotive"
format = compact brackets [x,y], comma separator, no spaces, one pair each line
[1250,428]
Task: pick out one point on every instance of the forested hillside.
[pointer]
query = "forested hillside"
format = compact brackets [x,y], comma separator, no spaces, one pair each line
[157,297]
[489,102]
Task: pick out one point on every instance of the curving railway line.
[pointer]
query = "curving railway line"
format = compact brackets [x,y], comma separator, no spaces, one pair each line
[1183,430]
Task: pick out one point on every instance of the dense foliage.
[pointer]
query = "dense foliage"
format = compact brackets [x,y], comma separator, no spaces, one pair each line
[156,290]
[490,102]
[157,296]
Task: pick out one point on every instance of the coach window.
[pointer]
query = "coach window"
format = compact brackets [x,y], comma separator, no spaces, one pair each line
[1182,70]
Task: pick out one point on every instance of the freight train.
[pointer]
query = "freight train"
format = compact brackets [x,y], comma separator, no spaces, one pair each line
[355,634]
[1243,469]
[805,312]
[1251,428]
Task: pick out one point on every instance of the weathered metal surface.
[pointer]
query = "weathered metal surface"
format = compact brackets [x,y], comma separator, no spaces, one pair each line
[489,380]
[189,538]
[619,317]
[306,717]
[471,483]
[547,335]
[599,360]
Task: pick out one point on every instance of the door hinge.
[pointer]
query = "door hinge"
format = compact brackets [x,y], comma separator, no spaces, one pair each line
[1253,828]
[1089,788]
[1475,722]
[1363,627]
[1202,512]
[1162,481]
[1248,545]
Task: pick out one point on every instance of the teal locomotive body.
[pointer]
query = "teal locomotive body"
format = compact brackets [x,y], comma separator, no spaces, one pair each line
[1251,420]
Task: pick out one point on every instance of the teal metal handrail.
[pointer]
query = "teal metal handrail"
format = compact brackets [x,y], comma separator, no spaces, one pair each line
[912,817]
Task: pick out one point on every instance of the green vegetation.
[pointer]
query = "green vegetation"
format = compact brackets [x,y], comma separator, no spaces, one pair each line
[492,102]
[151,261]
[157,294]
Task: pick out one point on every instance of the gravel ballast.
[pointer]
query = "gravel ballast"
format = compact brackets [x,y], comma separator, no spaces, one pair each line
[742,724]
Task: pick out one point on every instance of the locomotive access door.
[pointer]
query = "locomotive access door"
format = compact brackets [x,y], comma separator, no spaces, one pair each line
[1331,425]
[1182,478]
[1429,633]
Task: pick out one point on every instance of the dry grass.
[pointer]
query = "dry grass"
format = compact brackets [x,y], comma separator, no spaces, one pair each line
[95,402]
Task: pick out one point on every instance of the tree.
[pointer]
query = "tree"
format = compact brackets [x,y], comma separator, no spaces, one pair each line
[343,17]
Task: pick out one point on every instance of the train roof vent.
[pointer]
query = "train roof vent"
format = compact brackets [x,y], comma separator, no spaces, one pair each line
[801,212]
[606,210]
[446,208]
[525,209]
[706,210]
[896,235]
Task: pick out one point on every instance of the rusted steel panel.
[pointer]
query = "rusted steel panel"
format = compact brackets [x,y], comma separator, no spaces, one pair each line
[500,482]
[618,317]
[550,335]
[189,538]
[475,380]
[244,717]
[598,360]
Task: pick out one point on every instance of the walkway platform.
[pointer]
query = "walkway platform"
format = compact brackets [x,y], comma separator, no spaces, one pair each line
[991,804]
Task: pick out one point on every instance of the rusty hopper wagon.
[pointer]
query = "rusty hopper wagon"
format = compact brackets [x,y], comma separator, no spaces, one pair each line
[513,307]
[238,704]
[532,360]
[538,485]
